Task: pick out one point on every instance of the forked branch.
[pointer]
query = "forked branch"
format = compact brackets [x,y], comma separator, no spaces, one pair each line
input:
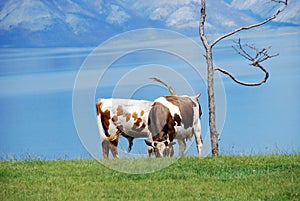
[260,55]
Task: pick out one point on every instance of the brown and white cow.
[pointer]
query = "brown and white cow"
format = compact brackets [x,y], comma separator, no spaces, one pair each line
[174,117]
[121,116]
[126,117]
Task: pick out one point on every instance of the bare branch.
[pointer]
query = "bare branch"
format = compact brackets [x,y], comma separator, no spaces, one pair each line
[278,1]
[171,90]
[260,56]
[243,53]
[245,83]
[284,2]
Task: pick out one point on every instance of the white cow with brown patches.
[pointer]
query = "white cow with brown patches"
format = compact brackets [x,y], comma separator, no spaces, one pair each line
[174,117]
[126,117]
[121,116]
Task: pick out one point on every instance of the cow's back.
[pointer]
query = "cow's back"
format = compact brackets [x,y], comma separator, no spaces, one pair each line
[129,116]
[174,115]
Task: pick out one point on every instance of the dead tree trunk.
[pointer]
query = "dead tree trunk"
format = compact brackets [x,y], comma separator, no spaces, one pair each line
[214,136]
[259,56]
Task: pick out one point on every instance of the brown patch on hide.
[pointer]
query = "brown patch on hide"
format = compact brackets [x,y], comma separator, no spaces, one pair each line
[98,107]
[119,110]
[160,122]
[136,126]
[186,108]
[128,115]
[114,118]
[134,116]
[177,119]
[105,117]
[138,121]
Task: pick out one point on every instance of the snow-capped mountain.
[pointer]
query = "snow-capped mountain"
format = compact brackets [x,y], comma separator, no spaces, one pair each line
[52,23]
[46,23]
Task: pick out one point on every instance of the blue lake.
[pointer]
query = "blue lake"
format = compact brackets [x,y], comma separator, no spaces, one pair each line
[36,112]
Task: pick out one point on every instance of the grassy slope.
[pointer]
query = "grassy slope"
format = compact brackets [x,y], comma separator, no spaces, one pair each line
[190,178]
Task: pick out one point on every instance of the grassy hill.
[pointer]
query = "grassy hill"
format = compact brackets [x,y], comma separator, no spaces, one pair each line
[189,178]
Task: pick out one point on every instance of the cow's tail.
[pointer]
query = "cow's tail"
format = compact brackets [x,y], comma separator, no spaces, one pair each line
[171,90]
[99,121]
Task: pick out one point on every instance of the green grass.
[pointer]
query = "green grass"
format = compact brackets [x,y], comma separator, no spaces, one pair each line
[189,178]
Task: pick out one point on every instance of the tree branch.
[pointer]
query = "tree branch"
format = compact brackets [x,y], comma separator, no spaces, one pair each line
[243,53]
[260,56]
[245,83]
[284,2]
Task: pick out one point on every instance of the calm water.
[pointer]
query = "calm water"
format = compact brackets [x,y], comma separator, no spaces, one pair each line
[36,87]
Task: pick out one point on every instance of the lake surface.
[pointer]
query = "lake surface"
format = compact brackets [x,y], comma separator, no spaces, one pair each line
[37,117]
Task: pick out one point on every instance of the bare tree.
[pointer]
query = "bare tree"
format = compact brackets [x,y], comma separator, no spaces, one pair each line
[256,59]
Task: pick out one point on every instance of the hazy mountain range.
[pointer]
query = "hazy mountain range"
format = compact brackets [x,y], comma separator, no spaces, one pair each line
[43,23]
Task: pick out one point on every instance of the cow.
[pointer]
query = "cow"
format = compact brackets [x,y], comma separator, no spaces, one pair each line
[174,117]
[125,117]
[121,116]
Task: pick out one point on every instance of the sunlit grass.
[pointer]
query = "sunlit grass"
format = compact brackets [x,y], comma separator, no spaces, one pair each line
[189,178]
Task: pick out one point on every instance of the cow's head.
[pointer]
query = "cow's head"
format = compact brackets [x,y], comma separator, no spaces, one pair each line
[161,148]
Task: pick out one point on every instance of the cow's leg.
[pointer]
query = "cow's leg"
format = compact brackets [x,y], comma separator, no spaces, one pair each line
[113,145]
[198,138]
[182,146]
[129,139]
[171,151]
[150,151]
[105,148]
